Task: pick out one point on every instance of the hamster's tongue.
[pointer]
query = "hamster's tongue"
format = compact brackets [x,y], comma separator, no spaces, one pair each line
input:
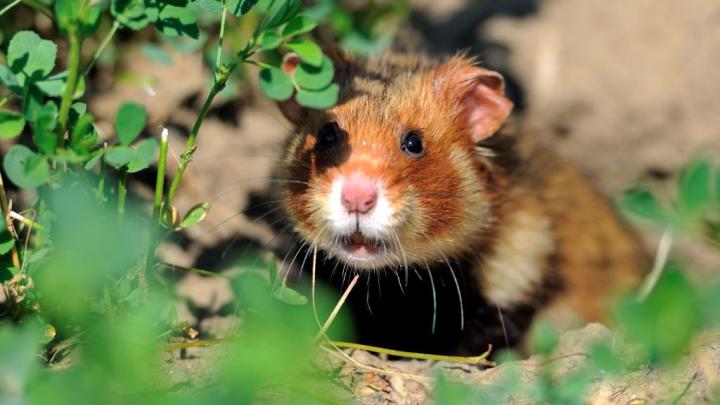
[360,246]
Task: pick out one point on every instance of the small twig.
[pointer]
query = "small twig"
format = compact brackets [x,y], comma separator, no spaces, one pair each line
[481,359]
[337,353]
[661,256]
[171,347]
[25,220]
[5,205]
[335,310]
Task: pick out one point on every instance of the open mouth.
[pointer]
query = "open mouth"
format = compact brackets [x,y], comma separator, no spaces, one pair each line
[360,246]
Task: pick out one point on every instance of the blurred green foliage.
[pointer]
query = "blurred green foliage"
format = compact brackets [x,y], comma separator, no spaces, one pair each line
[83,317]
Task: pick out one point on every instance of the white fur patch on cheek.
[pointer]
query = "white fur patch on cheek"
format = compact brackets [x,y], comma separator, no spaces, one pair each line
[515,269]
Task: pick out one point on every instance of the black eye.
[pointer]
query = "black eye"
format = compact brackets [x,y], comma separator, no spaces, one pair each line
[327,136]
[412,144]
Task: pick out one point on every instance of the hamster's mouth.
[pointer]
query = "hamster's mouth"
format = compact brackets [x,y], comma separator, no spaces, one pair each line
[361,247]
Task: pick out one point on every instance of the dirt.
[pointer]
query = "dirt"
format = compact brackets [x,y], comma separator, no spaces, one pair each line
[626,89]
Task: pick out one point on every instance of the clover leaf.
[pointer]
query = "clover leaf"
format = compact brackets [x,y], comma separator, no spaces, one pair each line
[129,122]
[30,57]
[26,168]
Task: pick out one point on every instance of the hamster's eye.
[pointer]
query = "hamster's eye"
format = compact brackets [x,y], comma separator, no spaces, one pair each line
[412,144]
[327,136]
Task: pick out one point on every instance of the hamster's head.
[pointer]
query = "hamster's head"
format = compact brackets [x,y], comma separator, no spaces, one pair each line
[393,174]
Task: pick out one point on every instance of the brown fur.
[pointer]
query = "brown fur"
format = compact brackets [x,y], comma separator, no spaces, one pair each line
[462,199]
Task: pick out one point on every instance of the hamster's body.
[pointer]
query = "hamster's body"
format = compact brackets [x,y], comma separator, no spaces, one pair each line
[407,181]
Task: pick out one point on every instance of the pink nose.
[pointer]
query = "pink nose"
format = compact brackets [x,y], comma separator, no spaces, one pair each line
[359,194]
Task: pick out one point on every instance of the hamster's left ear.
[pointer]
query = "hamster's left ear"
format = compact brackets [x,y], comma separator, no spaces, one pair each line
[478,94]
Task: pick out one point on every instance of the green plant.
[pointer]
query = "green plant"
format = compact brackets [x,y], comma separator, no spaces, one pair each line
[77,265]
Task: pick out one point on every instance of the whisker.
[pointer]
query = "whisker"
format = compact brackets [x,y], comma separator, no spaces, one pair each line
[502,324]
[460,299]
[434,296]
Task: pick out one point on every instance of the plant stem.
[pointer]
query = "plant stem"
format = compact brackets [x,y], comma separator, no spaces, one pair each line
[122,192]
[102,46]
[9,6]
[220,39]
[6,213]
[67,98]
[157,207]
[220,77]
[190,145]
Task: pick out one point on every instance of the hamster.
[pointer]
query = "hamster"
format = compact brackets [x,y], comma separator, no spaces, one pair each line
[469,235]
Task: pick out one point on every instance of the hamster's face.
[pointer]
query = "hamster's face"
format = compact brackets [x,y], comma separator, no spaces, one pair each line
[389,178]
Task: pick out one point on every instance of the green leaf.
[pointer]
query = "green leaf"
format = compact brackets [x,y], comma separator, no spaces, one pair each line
[211,6]
[119,156]
[695,188]
[7,78]
[289,296]
[129,122]
[277,12]
[195,215]
[298,25]
[94,159]
[11,124]
[83,136]
[143,155]
[543,337]
[665,323]
[177,21]
[30,57]
[642,203]
[240,7]
[54,86]
[67,12]
[315,77]
[276,83]
[319,99]
[134,14]
[25,168]
[270,40]
[90,18]
[44,128]
[308,51]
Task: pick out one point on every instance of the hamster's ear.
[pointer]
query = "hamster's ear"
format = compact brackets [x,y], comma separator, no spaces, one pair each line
[477,93]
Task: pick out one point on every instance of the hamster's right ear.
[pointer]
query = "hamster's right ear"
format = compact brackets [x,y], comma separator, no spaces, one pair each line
[478,93]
